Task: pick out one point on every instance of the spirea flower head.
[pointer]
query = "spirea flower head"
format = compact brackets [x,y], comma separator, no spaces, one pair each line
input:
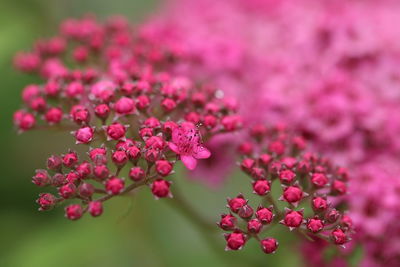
[116,94]
[306,180]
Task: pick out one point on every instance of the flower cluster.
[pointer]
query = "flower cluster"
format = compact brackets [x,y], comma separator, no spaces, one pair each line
[113,91]
[329,69]
[273,155]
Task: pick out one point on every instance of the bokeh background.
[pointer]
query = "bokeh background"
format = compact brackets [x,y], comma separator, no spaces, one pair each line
[134,231]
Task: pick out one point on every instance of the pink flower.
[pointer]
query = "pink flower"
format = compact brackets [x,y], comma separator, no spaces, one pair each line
[187,144]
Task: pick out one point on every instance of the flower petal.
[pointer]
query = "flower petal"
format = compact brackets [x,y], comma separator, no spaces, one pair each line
[189,161]
[173,147]
[202,153]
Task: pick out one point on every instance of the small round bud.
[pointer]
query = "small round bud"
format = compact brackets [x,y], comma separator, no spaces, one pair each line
[67,191]
[319,204]
[339,237]
[46,201]
[227,222]
[269,245]
[293,218]
[101,171]
[163,167]
[95,208]
[315,225]
[287,176]
[41,178]
[261,187]
[54,163]
[236,203]
[70,159]
[160,188]
[86,190]
[124,106]
[235,240]
[53,115]
[254,226]
[73,212]
[292,194]
[84,135]
[245,211]
[319,180]
[114,186]
[116,131]
[119,157]
[136,174]
[339,187]
[264,215]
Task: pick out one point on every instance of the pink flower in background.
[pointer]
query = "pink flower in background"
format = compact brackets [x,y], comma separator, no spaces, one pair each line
[186,143]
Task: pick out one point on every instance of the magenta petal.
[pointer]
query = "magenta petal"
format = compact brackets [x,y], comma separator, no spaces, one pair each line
[189,161]
[173,147]
[202,153]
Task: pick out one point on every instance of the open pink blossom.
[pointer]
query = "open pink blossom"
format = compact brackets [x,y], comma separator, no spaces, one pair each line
[187,144]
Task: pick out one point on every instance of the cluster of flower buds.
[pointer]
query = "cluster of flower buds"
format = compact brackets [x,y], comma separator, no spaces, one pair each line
[115,91]
[305,201]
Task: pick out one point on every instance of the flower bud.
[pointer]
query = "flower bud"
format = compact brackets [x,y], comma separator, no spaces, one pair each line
[227,222]
[73,212]
[235,240]
[160,188]
[46,201]
[41,178]
[269,245]
[163,167]
[114,186]
[95,208]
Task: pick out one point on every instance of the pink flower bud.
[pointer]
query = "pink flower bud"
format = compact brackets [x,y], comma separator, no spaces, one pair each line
[315,225]
[339,187]
[163,167]
[46,201]
[133,153]
[245,212]
[95,208]
[73,212]
[101,171]
[70,159]
[319,179]
[98,155]
[293,218]
[247,165]
[54,163]
[114,186]
[72,177]
[227,222]
[84,169]
[152,123]
[86,190]
[160,188]
[264,215]
[168,105]
[265,160]
[124,106]
[143,102]
[67,191]
[53,115]
[236,203]
[287,176]
[235,240]
[292,194]
[246,148]
[116,131]
[261,187]
[80,114]
[254,226]
[136,174]
[319,204]
[41,178]
[84,135]
[277,147]
[102,111]
[339,237]
[332,216]
[58,179]
[119,157]
[269,245]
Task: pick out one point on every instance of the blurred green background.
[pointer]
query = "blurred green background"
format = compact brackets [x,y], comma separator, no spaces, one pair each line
[134,231]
